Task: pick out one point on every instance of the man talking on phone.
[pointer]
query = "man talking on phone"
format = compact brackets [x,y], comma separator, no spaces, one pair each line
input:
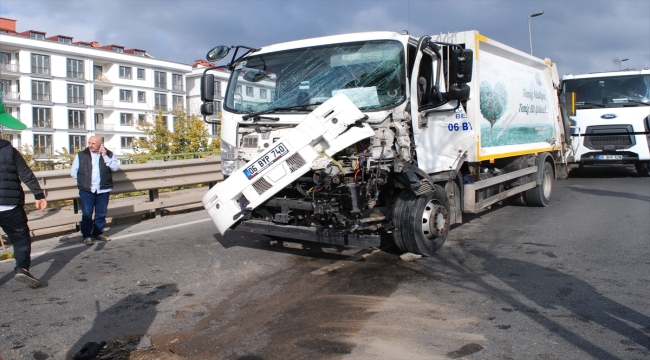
[93,168]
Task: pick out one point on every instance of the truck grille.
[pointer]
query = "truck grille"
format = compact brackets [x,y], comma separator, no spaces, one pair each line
[295,162]
[250,141]
[615,137]
[261,186]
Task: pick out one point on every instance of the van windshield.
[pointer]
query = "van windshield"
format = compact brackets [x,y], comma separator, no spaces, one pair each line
[370,73]
[610,91]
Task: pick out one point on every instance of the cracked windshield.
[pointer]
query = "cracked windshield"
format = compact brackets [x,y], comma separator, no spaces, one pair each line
[370,73]
[610,91]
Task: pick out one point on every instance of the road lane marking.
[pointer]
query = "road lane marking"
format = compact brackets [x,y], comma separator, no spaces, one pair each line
[34,255]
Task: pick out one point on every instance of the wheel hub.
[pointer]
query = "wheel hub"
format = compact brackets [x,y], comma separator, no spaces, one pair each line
[434,220]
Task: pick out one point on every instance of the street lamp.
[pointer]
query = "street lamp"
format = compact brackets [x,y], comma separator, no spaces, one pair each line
[619,64]
[530,38]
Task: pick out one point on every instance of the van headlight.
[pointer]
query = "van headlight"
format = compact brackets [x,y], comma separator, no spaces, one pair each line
[228,160]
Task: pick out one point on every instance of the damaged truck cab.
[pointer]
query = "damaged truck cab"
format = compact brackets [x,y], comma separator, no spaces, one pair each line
[352,138]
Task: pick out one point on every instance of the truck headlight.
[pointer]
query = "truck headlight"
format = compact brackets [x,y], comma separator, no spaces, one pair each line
[228,166]
[228,160]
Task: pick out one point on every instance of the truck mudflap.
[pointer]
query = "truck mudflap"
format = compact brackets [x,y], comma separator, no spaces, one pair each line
[331,127]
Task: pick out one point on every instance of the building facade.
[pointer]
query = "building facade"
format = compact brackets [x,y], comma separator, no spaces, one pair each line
[66,91]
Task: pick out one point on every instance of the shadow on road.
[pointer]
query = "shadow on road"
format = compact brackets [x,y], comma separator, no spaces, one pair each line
[567,296]
[133,315]
[617,194]
[60,257]
[601,171]
[286,246]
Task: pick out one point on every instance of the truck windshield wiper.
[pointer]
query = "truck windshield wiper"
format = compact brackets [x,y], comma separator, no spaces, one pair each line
[637,102]
[583,103]
[256,115]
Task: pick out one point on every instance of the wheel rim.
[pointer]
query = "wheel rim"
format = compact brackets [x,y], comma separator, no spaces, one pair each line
[434,220]
[547,184]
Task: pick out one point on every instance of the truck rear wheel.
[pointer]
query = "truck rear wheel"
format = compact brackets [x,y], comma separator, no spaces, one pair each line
[421,223]
[540,196]
[643,168]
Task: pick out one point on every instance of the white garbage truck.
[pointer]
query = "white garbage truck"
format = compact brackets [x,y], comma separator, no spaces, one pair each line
[609,118]
[357,138]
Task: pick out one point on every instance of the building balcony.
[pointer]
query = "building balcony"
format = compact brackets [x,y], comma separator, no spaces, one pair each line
[43,150]
[177,87]
[162,108]
[77,126]
[12,68]
[160,85]
[105,103]
[47,124]
[76,75]
[104,127]
[76,100]
[8,96]
[42,97]
[41,70]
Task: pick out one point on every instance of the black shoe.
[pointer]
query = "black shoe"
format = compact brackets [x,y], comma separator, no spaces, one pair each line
[25,277]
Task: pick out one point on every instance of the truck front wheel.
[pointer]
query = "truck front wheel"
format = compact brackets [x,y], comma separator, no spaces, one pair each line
[421,223]
[643,168]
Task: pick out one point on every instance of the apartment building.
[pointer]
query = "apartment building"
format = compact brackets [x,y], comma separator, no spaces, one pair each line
[66,91]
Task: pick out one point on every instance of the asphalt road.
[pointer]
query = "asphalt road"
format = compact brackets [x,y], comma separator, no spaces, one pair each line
[570,281]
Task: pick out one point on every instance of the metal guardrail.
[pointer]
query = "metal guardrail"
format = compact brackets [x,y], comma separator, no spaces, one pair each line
[59,185]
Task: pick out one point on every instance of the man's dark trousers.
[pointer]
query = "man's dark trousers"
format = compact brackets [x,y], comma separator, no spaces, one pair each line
[97,202]
[14,224]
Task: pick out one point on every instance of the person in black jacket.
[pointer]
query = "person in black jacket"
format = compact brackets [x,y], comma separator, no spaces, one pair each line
[13,219]
[93,168]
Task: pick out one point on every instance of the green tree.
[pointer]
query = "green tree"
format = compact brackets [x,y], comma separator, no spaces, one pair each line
[189,136]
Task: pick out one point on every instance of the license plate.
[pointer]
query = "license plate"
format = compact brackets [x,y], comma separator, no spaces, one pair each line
[609,157]
[266,160]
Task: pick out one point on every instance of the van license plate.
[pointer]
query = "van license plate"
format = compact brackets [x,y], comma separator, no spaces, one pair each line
[609,157]
[266,160]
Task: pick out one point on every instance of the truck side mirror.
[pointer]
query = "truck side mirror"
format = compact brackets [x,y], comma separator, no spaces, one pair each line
[207,108]
[207,88]
[460,65]
[459,92]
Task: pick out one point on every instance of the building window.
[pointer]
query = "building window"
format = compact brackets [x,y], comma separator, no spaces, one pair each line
[41,91]
[126,142]
[217,88]
[65,40]
[126,95]
[160,79]
[117,49]
[249,91]
[75,69]
[14,139]
[99,121]
[42,117]
[142,96]
[177,101]
[98,72]
[140,74]
[76,119]
[76,94]
[272,94]
[215,129]
[125,72]
[262,93]
[238,89]
[126,119]
[77,142]
[42,144]
[40,64]
[142,118]
[138,53]
[217,108]
[84,44]
[37,36]
[177,82]
[160,101]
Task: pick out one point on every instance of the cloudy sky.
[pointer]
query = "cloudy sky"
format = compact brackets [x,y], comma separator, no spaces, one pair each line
[581,36]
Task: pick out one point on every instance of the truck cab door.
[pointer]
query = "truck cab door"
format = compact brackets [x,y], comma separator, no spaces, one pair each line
[442,134]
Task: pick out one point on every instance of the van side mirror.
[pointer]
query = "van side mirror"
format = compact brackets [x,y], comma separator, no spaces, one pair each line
[207,88]
[460,65]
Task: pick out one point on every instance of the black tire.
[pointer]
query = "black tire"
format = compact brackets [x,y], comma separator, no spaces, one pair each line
[540,196]
[643,168]
[414,231]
